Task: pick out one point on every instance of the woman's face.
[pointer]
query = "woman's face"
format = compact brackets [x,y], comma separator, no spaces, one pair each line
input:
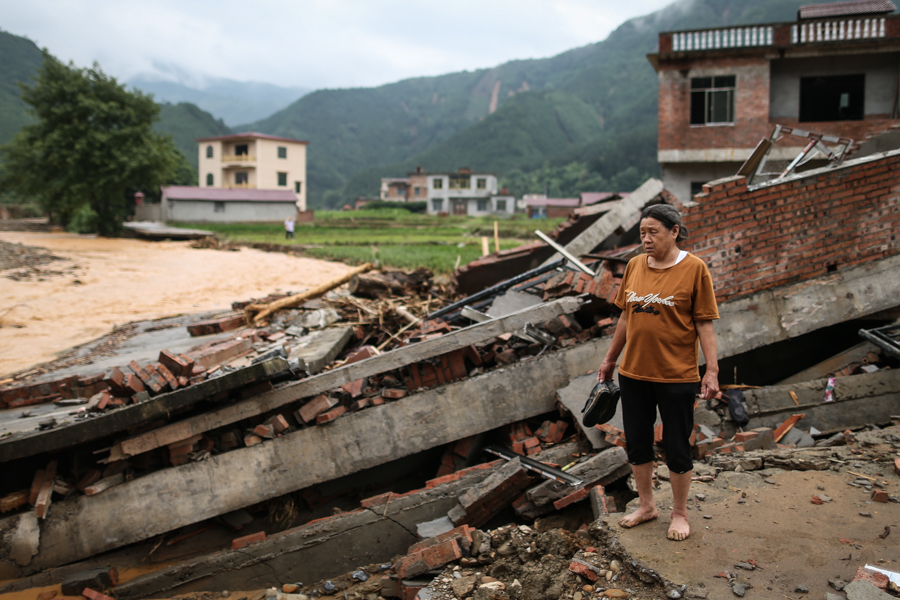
[656,238]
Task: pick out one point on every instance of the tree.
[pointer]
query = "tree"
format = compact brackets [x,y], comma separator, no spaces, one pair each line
[91,144]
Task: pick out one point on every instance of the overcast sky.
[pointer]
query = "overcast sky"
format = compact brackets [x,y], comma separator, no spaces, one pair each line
[311,43]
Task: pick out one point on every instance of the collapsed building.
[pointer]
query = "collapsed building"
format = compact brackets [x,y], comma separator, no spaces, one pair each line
[800,264]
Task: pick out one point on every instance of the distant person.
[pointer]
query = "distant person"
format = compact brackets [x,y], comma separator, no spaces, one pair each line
[289,228]
[668,304]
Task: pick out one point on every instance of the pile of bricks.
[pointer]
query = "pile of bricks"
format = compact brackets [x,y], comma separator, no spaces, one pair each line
[40,393]
[486,499]
[218,325]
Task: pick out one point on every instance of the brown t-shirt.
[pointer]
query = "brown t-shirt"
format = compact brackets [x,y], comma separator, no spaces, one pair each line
[660,307]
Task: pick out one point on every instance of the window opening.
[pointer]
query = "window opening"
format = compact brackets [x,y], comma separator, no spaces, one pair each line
[209,179]
[241,150]
[501,205]
[241,178]
[833,98]
[218,207]
[481,183]
[298,187]
[282,179]
[282,152]
[482,205]
[437,184]
[712,100]
[209,152]
[437,204]
[459,182]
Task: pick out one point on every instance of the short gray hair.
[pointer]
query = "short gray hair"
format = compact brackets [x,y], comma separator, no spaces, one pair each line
[669,216]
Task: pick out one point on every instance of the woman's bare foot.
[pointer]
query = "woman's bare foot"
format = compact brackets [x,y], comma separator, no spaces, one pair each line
[641,515]
[679,530]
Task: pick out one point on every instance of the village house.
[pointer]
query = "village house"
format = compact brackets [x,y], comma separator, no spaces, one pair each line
[834,71]
[459,193]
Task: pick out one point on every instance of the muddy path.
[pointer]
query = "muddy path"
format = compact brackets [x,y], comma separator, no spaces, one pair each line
[99,283]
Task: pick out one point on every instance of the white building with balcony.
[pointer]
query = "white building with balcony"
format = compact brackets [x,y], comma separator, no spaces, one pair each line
[254,161]
[467,193]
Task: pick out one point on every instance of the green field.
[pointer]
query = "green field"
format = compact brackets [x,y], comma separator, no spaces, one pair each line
[395,237]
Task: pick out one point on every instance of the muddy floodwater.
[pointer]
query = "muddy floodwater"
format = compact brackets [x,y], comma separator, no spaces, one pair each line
[54,305]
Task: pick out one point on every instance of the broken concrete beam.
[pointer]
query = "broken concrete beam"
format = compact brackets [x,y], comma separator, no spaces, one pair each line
[318,349]
[858,400]
[574,395]
[829,366]
[220,325]
[101,578]
[312,386]
[626,210]
[72,433]
[601,469]
[481,502]
[357,441]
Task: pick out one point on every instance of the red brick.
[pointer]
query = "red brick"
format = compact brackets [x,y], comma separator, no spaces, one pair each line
[582,569]
[90,478]
[461,532]
[33,401]
[264,430]
[219,325]
[251,440]
[879,580]
[253,538]
[361,353]
[175,363]
[94,594]
[743,436]
[393,394]
[576,496]
[880,496]
[171,380]
[531,442]
[278,423]
[312,409]
[354,388]
[331,415]
[433,557]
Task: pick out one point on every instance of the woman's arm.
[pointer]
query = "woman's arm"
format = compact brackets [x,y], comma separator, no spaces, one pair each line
[709,387]
[608,366]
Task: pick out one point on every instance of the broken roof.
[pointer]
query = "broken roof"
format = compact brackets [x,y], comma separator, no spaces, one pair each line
[186,192]
[553,202]
[846,9]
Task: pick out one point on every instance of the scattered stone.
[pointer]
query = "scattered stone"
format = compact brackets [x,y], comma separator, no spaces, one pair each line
[707,516]
[744,565]
[328,587]
[837,584]
[865,513]
[360,575]
[463,586]
[739,590]
[802,589]
[290,588]
[615,593]
[700,497]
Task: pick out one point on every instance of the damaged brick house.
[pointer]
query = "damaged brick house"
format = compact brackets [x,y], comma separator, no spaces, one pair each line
[833,71]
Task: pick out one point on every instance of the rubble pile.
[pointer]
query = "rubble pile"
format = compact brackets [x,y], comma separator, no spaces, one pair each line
[25,263]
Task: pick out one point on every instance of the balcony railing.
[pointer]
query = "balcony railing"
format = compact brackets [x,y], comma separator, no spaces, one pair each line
[242,158]
[831,30]
[834,31]
[731,37]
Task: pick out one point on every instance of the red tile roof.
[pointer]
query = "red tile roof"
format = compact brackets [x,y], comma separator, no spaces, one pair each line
[588,198]
[846,9]
[250,135]
[184,192]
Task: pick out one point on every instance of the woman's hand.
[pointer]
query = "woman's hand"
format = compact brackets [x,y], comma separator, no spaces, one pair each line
[606,370]
[709,387]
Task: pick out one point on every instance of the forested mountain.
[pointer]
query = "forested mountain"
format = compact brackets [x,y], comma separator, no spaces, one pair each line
[584,119]
[21,58]
[187,122]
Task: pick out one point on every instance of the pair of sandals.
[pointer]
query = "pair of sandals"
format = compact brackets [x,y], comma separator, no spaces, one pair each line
[601,404]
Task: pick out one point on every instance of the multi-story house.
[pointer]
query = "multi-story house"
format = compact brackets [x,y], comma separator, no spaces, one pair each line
[254,161]
[459,193]
[834,71]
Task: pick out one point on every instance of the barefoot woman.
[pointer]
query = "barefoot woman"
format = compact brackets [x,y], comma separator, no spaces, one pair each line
[667,304]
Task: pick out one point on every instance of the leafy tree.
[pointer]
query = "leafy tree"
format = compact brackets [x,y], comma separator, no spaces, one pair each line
[91,145]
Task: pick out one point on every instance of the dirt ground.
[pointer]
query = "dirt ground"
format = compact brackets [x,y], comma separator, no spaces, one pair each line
[101,283]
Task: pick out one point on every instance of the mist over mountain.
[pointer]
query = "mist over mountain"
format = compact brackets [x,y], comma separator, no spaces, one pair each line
[234,102]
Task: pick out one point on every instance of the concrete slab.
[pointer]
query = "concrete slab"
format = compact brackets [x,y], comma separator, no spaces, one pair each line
[512,302]
[319,348]
[160,231]
[573,397]
[768,517]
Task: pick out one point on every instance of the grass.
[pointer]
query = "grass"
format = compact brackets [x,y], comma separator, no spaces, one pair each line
[397,238]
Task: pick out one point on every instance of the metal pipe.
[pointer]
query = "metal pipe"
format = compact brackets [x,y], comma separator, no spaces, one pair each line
[581,266]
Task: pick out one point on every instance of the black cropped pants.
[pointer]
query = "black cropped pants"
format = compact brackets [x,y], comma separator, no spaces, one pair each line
[675,401]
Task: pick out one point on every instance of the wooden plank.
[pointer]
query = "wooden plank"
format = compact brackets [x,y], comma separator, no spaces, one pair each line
[388,361]
[14,500]
[787,426]
[606,225]
[45,496]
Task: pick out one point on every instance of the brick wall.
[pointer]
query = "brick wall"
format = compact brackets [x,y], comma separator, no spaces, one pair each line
[751,103]
[795,230]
